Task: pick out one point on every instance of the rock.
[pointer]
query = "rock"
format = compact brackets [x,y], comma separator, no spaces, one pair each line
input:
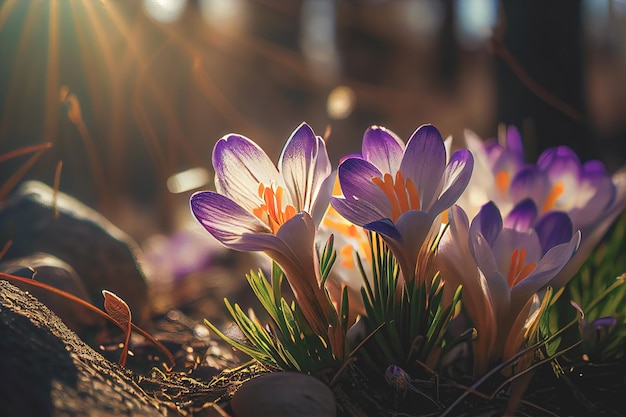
[54,272]
[284,394]
[102,255]
[46,370]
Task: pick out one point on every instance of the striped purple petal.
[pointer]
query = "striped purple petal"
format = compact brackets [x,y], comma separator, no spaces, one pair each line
[382,148]
[226,220]
[424,162]
[355,176]
[240,166]
[357,211]
[457,175]
[304,165]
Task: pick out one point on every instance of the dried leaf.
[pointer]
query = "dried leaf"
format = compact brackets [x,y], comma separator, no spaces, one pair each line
[120,312]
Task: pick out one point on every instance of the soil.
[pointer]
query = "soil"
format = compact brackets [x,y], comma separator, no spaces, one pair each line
[48,371]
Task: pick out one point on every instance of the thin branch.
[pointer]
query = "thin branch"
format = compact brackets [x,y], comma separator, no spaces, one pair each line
[497,47]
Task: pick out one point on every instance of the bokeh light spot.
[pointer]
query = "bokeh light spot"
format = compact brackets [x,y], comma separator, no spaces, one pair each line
[341,102]
[164,11]
[225,15]
[187,180]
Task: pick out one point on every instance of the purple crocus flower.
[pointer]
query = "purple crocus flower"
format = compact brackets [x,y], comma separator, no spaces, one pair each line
[559,181]
[398,191]
[258,207]
[495,165]
[501,264]
[585,191]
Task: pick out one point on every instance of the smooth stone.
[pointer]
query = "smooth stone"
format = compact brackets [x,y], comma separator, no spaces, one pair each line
[284,394]
[103,256]
[51,270]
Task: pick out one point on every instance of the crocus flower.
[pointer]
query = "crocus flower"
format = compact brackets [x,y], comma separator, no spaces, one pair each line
[557,182]
[495,166]
[501,264]
[259,207]
[399,191]
[584,191]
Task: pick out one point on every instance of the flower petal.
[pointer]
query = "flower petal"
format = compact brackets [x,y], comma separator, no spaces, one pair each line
[226,220]
[386,228]
[298,260]
[499,290]
[592,200]
[355,177]
[523,215]
[322,198]
[240,166]
[456,177]
[359,212]
[414,227]
[531,183]
[508,241]
[488,222]
[383,149]
[559,161]
[553,229]
[424,162]
[547,268]
[514,143]
[304,165]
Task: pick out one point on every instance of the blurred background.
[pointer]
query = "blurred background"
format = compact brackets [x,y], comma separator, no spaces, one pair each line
[134,94]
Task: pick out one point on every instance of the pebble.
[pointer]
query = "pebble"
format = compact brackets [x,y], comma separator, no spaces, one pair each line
[284,394]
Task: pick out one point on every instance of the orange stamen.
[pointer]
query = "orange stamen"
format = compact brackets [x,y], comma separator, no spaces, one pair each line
[553,196]
[502,181]
[517,270]
[414,196]
[271,211]
[402,194]
[400,191]
[444,217]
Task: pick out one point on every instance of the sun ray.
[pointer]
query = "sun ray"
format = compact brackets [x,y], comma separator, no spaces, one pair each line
[5,11]
[176,136]
[51,119]
[90,69]
[211,91]
[15,87]
[115,133]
